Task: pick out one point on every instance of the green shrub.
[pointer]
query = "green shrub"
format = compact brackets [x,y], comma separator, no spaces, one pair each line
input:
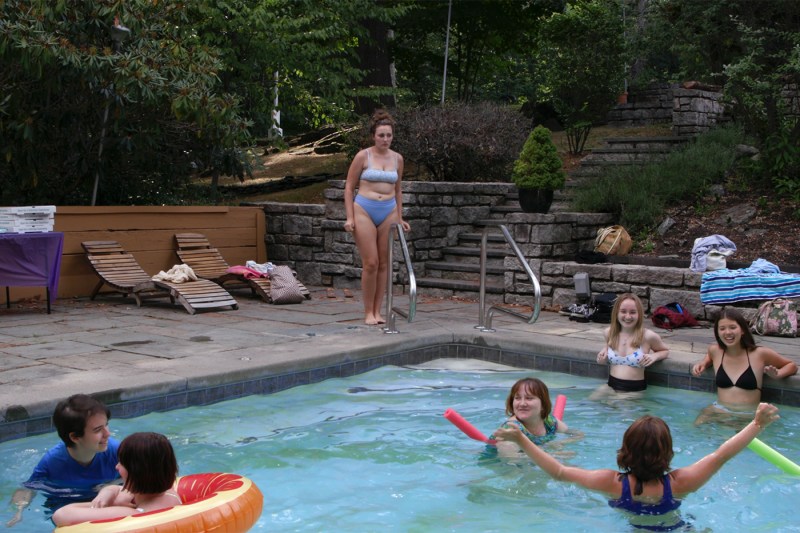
[458,142]
[539,166]
[639,195]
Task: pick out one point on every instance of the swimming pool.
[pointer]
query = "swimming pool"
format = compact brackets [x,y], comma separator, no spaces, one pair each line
[372,452]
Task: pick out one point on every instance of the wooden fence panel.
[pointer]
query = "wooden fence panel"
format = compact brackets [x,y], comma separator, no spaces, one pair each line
[148,233]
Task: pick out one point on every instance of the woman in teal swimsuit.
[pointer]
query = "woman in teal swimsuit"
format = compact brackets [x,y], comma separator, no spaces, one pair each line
[644,459]
[376,172]
[528,407]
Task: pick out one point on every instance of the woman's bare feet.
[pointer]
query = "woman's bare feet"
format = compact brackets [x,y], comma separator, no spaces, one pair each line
[371,320]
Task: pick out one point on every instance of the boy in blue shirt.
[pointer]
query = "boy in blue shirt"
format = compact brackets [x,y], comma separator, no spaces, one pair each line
[77,467]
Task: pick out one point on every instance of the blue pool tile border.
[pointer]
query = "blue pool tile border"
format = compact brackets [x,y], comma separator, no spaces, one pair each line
[24,426]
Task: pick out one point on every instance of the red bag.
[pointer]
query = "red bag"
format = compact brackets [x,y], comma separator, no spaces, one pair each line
[672,316]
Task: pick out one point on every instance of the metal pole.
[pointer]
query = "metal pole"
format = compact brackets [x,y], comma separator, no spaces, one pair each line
[446,48]
[100,150]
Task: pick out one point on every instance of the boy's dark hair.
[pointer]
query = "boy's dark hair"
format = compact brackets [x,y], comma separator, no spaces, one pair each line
[150,462]
[70,416]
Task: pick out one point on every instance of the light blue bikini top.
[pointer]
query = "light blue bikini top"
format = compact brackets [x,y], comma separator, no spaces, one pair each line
[632,359]
[374,174]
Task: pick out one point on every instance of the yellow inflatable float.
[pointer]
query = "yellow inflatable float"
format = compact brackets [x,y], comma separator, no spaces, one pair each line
[224,503]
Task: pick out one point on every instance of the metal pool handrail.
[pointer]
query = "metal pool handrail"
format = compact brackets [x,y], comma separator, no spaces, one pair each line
[485,324]
[392,312]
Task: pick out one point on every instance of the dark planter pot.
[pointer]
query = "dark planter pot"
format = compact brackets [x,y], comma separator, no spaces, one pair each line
[535,200]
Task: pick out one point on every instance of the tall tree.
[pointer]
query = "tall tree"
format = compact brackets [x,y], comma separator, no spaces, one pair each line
[486,39]
[580,56]
[77,106]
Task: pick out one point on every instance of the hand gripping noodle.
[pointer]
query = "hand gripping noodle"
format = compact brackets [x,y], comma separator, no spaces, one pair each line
[561,403]
[770,455]
[468,429]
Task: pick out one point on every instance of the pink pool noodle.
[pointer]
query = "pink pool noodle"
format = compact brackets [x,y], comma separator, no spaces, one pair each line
[468,429]
[561,403]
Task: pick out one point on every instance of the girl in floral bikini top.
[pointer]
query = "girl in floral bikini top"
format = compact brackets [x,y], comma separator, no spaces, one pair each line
[629,348]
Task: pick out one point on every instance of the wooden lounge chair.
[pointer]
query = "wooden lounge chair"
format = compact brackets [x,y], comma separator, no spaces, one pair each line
[119,270]
[208,263]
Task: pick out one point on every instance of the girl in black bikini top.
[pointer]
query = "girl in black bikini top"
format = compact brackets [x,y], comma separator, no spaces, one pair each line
[747,380]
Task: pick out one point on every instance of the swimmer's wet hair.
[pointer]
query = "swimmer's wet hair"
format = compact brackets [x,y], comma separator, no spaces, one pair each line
[150,462]
[646,451]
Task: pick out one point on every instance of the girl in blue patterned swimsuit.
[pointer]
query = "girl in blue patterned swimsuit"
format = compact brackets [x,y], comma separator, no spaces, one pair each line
[528,408]
[629,348]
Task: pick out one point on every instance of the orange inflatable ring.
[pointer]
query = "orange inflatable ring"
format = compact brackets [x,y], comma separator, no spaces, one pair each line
[224,503]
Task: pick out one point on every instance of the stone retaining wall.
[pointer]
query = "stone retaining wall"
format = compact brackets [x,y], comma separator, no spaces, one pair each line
[310,237]
[655,286]
[695,111]
[647,106]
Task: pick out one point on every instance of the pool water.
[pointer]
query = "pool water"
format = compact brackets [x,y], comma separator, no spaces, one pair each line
[373,453]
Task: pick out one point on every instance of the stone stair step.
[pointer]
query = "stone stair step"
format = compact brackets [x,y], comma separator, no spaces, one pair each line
[453,266]
[633,142]
[474,251]
[625,150]
[476,237]
[461,285]
[511,206]
[627,156]
[560,206]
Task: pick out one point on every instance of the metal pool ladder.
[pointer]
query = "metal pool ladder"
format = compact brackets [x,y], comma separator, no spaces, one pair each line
[392,312]
[485,321]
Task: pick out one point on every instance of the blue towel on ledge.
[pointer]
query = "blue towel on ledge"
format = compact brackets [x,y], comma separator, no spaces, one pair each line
[761,281]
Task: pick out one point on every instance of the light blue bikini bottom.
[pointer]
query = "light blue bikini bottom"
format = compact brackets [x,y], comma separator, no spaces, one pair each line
[377,210]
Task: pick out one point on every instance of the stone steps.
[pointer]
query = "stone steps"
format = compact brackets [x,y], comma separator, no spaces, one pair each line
[471,287]
[618,152]
[459,270]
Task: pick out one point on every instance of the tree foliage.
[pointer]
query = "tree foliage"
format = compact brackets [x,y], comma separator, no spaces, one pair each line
[61,71]
[181,94]
[752,49]
[489,40]
[580,56]
[461,142]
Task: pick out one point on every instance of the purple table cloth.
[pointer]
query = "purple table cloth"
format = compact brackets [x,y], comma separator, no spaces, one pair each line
[31,260]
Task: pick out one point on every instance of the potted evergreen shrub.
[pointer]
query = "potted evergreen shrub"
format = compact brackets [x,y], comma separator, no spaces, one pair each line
[538,172]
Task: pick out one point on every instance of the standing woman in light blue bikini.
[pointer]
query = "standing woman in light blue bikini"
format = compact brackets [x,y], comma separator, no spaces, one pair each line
[376,172]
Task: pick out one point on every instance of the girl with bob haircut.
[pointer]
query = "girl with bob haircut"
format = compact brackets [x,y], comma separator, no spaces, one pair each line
[376,172]
[739,366]
[528,407]
[629,348]
[646,487]
[148,469]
